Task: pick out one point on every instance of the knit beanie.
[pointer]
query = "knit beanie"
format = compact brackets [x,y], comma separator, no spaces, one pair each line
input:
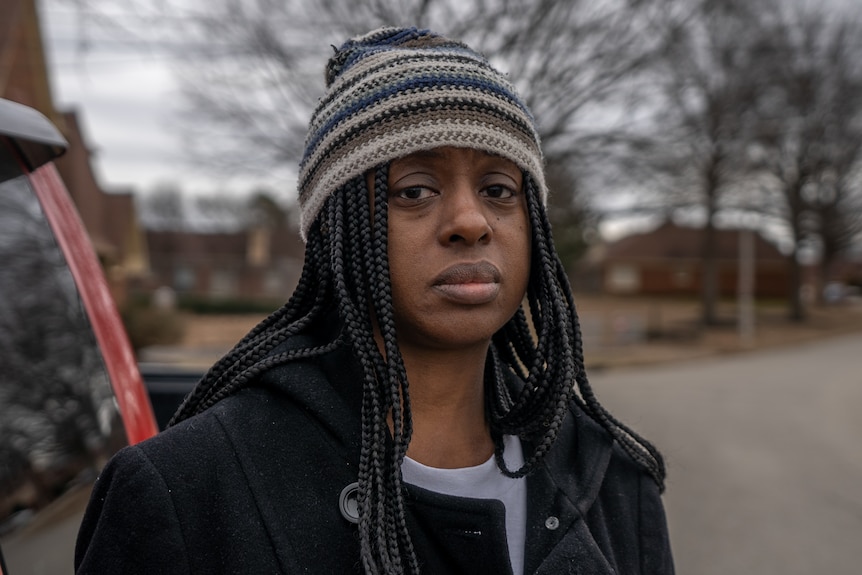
[397,91]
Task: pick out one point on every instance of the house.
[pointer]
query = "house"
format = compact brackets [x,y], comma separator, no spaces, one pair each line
[259,264]
[110,218]
[668,261]
[23,72]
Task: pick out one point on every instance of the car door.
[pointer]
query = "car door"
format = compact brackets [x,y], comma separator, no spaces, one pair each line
[70,391]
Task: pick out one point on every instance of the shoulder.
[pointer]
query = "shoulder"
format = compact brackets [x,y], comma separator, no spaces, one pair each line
[588,440]
[631,516]
[625,512]
[617,515]
[591,466]
[195,438]
[288,410]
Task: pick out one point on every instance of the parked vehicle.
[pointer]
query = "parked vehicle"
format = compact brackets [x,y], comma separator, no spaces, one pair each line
[70,391]
[167,385]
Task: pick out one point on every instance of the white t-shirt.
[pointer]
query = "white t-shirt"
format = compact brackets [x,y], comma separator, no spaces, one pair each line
[484,481]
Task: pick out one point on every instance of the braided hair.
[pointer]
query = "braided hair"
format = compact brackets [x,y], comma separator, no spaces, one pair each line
[348,275]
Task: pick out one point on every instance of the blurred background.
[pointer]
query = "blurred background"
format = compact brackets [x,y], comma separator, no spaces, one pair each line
[698,151]
[705,162]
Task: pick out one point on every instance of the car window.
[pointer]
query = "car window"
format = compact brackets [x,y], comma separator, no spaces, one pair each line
[59,420]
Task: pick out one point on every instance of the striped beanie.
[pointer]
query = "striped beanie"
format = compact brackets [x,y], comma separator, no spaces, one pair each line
[396,91]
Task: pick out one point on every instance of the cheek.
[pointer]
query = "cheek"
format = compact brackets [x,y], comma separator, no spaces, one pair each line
[522,253]
[403,257]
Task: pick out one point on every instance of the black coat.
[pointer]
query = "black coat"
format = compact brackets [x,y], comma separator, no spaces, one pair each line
[252,485]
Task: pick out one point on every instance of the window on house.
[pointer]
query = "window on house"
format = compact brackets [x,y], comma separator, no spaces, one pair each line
[223,284]
[681,278]
[623,278]
[273,283]
[184,279]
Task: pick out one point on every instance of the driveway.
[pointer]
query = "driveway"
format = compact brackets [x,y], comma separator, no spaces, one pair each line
[763,452]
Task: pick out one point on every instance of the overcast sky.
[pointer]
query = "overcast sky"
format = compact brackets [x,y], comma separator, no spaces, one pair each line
[126,98]
[121,99]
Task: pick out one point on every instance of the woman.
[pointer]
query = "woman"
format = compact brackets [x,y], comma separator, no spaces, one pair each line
[402,413]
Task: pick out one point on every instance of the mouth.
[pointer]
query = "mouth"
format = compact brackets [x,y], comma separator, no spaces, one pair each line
[469,283]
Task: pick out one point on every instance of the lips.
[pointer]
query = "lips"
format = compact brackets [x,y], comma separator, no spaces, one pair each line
[469,283]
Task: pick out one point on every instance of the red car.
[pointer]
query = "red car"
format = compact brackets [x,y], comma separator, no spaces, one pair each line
[70,391]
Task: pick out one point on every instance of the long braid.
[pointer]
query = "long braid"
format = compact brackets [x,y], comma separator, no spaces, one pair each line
[345,224]
[372,496]
[636,446]
[361,279]
[398,393]
[556,362]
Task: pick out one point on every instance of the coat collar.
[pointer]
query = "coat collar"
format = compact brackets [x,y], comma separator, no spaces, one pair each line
[575,465]
[561,490]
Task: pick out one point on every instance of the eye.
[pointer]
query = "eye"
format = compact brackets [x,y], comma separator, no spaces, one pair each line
[499,192]
[415,193]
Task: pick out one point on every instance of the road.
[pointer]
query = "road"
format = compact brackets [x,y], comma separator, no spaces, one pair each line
[764,455]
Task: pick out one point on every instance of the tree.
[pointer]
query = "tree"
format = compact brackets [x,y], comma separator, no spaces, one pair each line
[264,211]
[163,209]
[573,223]
[219,212]
[258,208]
[564,56]
[811,129]
[709,90]
[836,194]
[253,69]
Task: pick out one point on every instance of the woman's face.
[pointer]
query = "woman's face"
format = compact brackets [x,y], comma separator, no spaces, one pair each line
[459,246]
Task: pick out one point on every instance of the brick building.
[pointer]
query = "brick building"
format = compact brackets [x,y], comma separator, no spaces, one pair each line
[110,219]
[668,261]
[258,264]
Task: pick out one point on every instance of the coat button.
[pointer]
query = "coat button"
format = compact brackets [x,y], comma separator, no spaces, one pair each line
[552,522]
[348,502]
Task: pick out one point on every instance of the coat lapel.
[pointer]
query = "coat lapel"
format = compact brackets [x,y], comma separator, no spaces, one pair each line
[561,492]
[304,453]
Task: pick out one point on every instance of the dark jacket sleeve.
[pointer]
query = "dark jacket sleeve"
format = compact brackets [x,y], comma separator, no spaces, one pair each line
[656,558]
[130,525]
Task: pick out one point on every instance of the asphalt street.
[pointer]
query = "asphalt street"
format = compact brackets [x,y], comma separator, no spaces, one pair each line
[764,455]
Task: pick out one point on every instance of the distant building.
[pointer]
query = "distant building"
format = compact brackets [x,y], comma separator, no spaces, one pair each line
[669,261]
[259,264]
[110,219]
[23,72]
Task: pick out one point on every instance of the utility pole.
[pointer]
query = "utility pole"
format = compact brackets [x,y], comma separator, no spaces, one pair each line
[745,288]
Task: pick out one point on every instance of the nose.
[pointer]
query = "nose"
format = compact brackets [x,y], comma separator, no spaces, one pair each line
[464,218]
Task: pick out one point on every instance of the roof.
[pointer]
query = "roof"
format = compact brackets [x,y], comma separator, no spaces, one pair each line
[670,241]
[23,70]
[227,246]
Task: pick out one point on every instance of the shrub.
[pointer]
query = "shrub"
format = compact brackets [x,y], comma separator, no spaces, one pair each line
[147,325]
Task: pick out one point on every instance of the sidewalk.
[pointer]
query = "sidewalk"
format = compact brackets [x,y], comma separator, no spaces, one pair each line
[626,332]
